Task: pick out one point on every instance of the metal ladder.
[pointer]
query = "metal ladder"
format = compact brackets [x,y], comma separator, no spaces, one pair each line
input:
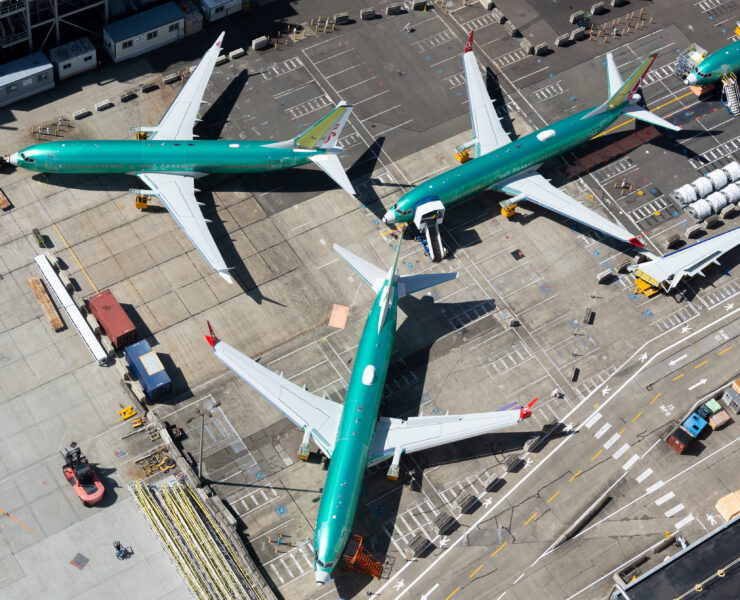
[437,250]
[731,94]
[427,218]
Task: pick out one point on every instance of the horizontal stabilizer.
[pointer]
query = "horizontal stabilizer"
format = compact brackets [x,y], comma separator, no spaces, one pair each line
[639,113]
[329,164]
[372,275]
[408,284]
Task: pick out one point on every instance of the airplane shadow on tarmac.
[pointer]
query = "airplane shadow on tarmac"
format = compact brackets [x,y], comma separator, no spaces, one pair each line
[421,336]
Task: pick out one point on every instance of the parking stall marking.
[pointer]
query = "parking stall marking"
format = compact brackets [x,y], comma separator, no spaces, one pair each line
[677,318]
[444,36]
[509,58]
[660,205]
[282,68]
[621,451]
[479,22]
[602,431]
[714,154]
[309,106]
[665,498]
[549,91]
[717,295]
[644,475]
[674,511]
[612,170]
[655,75]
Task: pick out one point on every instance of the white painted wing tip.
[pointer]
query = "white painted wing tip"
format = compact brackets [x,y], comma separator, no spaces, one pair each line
[226,277]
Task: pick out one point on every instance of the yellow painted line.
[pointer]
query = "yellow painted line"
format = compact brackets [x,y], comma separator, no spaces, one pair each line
[678,377]
[725,350]
[553,497]
[496,551]
[387,232]
[701,363]
[621,431]
[637,416]
[530,518]
[457,589]
[651,110]
[656,397]
[576,475]
[593,458]
[17,521]
[79,264]
[474,572]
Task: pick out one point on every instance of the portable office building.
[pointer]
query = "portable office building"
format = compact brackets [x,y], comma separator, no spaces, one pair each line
[25,77]
[144,31]
[76,57]
[217,9]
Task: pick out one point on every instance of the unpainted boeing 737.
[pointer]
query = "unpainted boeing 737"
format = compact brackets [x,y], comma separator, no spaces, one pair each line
[722,62]
[352,435]
[170,159]
[511,167]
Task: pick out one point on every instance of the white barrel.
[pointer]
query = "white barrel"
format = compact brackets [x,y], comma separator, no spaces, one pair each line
[703,186]
[718,178]
[686,194]
[732,193]
[732,170]
[718,201]
[700,209]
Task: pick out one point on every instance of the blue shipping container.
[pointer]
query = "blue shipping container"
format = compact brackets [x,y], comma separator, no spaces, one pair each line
[148,370]
[694,425]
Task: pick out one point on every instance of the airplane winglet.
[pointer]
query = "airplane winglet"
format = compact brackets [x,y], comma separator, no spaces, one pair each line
[469,45]
[526,412]
[635,242]
[211,339]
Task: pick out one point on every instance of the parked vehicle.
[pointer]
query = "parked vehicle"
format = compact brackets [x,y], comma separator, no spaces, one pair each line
[82,477]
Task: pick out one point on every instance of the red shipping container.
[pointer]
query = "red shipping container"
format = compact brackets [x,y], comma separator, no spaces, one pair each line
[113,319]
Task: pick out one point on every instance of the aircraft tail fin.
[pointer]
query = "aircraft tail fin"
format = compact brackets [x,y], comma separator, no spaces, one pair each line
[621,92]
[324,134]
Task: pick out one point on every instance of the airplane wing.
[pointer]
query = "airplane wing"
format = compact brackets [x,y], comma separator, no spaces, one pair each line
[487,129]
[534,187]
[309,412]
[421,433]
[179,120]
[177,194]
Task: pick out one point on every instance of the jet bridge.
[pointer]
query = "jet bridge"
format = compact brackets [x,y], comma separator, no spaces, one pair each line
[668,271]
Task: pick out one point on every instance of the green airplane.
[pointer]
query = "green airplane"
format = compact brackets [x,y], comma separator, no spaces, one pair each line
[511,167]
[352,435]
[170,159]
[724,61]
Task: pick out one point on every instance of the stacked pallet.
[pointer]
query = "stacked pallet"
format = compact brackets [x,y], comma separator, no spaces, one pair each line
[42,295]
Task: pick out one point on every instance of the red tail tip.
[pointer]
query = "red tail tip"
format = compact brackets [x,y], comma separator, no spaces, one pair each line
[469,45]
[635,242]
[211,339]
[525,412]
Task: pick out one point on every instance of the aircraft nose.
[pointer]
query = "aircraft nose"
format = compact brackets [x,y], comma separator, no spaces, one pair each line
[321,577]
[13,159]
[691,79]
[389,218]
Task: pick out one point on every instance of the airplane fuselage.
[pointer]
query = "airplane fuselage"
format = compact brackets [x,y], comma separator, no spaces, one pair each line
[356,428]
[724,61]
[152,156]
[479,174]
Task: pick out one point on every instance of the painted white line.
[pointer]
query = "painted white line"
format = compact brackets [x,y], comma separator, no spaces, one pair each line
[656,356]
[370,97]
[592,420]
[621,451]
[380,113]
[356,84]
[392,128]
[530,74]
[630,463]
[684,521]
[655,486]
[644,475]
[675,510]
[436,585]
[317,62]
[611,441]
[604,428]
[665,498]
[518,579]
[344,70]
